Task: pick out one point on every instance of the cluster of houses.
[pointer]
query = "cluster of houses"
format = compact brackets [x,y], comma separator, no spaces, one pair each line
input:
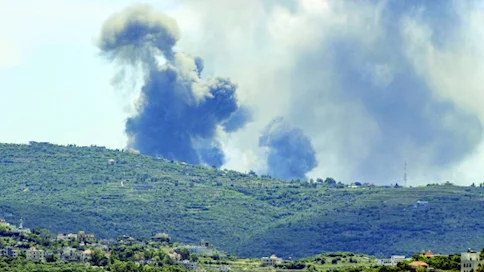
[83,239]
[30,254]
[67,254]
[469,261]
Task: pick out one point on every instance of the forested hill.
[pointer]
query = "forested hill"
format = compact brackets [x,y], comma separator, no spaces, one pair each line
[111,193]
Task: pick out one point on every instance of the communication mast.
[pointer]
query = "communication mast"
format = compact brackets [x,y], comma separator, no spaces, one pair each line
[405,174]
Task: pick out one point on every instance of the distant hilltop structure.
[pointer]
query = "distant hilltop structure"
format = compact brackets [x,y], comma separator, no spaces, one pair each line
[14,229]
[39,143]
[405,174]
[131,151]
[161,237]
[111,162]
[422,203]
[87,238]
[3,222]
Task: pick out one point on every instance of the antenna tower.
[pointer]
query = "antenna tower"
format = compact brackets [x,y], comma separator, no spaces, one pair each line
[405,174]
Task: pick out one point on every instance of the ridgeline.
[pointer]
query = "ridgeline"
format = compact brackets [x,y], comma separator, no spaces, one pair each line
[113,193]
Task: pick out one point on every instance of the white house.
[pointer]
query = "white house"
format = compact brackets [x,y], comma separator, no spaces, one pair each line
[270,261]
[469,261]
[393,261]
[3,222]
[66,236]
[189,265]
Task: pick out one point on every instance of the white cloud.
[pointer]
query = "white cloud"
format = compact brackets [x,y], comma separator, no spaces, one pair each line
[454,71]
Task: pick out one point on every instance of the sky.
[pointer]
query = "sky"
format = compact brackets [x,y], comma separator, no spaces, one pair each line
[365,85]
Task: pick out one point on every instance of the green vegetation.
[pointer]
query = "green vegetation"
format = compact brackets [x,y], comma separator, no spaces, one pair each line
[127,254]
[338,261]
[69,188]
[118,258]
[21,265]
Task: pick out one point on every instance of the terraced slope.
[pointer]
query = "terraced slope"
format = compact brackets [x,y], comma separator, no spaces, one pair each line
[69,188]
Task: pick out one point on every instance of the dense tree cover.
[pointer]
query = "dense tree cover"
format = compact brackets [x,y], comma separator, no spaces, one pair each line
[132,267]
[69,188]
[442,263]
[21,265]
[447,262]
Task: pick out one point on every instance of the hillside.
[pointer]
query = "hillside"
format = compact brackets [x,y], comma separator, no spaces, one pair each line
[69,188]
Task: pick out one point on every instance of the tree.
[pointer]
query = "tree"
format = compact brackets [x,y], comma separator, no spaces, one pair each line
[73,242]
[330,182]
[421,269]
[387,269]
[114,257]
[216,257]
[194,257]
[97,256]
[167,260]
[184,254]
[311,268]
[4,230]
[52,258]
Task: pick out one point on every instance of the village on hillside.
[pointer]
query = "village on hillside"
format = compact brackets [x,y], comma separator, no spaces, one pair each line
[40,246]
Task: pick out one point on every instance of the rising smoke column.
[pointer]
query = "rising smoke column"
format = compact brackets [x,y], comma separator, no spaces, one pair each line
[178,112]
[291,154]
[238,119]
[362,92]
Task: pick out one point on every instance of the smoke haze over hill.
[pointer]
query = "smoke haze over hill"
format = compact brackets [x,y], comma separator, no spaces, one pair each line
[371,83]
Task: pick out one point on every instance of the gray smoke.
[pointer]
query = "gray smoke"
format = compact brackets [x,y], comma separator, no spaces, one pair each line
[178,111]
[291,154]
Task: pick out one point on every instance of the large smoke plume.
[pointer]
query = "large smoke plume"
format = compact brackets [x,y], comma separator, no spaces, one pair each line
[179,113]
[372,83]
[291,154]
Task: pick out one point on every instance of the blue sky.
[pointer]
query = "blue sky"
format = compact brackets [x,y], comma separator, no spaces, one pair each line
[371,83]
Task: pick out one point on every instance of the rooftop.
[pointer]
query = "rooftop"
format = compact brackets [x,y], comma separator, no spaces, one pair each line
[418,263]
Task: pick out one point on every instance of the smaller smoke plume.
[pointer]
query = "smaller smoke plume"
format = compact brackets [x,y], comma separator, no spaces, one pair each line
[237,120]
[291,154]
[179,112]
